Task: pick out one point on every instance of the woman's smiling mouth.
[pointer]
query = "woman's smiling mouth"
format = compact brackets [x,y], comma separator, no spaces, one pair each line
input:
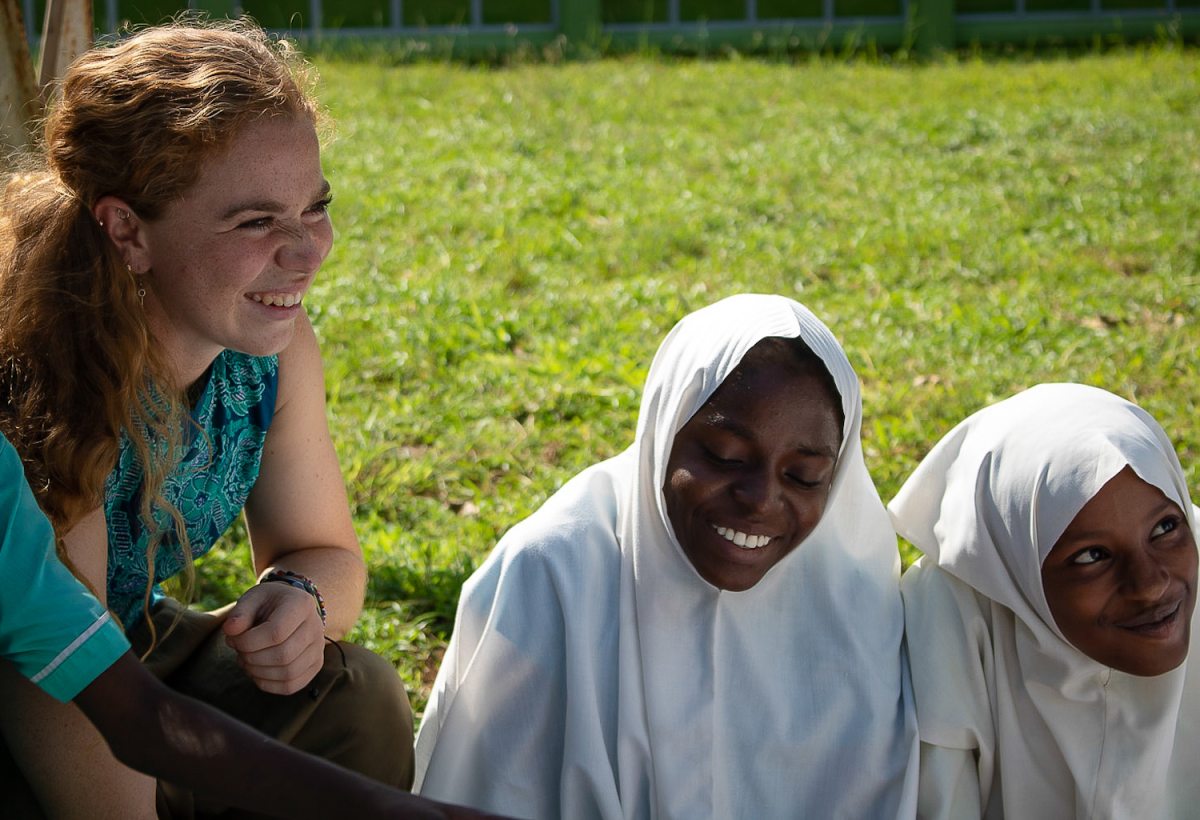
[277,299]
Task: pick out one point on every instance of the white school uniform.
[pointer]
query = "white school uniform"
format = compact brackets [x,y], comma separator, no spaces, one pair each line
[594,674]
[1014,721]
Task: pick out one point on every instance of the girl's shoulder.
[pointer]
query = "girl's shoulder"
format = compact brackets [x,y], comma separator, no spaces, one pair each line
[934,597]
[564,556]
[949,640]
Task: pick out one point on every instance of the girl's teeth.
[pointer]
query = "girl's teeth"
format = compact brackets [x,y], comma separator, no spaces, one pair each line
[741,539]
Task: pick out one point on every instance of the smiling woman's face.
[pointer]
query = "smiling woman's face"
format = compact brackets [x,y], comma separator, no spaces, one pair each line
[750,472]
[1121,581]
[228,263]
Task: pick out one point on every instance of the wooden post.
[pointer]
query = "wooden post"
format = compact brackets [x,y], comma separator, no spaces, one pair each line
[580,22]
[67,34]
[19,102]
[935,26]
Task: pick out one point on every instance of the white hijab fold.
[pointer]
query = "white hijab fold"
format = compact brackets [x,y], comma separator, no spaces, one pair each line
[1058,735]
[594,673]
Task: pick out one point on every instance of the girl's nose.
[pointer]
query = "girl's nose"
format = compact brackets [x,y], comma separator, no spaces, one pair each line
[758,491]
[1146,576]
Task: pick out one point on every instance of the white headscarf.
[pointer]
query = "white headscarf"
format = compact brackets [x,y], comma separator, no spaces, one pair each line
[594,673]
[1058,734]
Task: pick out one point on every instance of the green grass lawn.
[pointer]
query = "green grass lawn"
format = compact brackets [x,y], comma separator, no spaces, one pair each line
[513,244]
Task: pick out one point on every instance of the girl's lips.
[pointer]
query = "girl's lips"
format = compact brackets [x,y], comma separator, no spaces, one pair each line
[1155,620]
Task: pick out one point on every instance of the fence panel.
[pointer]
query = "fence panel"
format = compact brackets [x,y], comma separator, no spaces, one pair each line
[474,27]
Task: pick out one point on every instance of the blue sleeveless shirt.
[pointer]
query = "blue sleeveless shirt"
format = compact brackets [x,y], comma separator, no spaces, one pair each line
[222,453]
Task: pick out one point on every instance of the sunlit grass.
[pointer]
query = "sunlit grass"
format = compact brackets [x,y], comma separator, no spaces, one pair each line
[513,244]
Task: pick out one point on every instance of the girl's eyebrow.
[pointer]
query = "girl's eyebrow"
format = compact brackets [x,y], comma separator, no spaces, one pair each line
[270,206]
[1166,506]
[723,422]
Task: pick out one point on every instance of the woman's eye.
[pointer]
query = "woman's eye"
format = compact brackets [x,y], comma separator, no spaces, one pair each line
[1089,556]
[260,224]
[320,208]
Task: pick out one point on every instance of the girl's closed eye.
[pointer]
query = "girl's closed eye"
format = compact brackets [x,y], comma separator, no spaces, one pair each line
[803,481]
[721,457]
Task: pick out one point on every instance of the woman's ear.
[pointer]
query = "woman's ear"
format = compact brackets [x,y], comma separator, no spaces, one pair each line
[125,230]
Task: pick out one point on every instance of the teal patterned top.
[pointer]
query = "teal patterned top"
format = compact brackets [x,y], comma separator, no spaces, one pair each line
[223,451]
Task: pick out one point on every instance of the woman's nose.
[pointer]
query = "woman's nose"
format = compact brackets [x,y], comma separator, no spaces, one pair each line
[304,249]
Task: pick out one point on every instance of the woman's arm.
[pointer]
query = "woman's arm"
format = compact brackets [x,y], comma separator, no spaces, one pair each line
[299,520]
[61,754]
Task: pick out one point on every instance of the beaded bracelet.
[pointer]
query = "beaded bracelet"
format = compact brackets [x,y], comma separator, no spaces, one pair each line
[298,581]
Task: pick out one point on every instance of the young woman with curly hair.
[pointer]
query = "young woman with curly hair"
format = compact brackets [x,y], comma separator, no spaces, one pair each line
[158,374]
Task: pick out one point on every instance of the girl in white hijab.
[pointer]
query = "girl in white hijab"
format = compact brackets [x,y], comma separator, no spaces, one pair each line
[1049,619]
[705,626]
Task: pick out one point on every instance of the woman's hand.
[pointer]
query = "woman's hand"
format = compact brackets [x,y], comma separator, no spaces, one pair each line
[277,633]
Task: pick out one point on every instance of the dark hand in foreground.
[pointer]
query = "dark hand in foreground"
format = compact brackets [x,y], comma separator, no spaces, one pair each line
[172,737]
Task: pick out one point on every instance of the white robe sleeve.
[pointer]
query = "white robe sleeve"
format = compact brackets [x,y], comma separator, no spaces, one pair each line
[948,786]
[522,718]
[948,635]
[492,733]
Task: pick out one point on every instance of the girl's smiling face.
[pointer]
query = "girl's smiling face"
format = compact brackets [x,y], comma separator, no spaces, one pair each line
[750,472]
[228,263]
[1121,580]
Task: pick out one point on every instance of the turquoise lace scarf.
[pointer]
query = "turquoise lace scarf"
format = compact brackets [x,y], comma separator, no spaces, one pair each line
[223,451]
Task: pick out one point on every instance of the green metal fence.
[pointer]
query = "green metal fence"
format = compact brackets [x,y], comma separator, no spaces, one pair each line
[474,27]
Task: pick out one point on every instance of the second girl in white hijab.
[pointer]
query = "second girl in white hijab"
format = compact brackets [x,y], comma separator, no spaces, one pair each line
[705,626]
[1050,618]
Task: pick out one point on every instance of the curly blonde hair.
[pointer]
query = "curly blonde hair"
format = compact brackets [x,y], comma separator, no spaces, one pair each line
[78,363]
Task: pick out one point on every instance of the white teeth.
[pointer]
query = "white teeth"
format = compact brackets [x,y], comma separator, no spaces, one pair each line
[277,299]
[741,539]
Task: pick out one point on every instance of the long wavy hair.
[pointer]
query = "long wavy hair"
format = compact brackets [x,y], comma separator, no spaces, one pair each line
[79,366]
